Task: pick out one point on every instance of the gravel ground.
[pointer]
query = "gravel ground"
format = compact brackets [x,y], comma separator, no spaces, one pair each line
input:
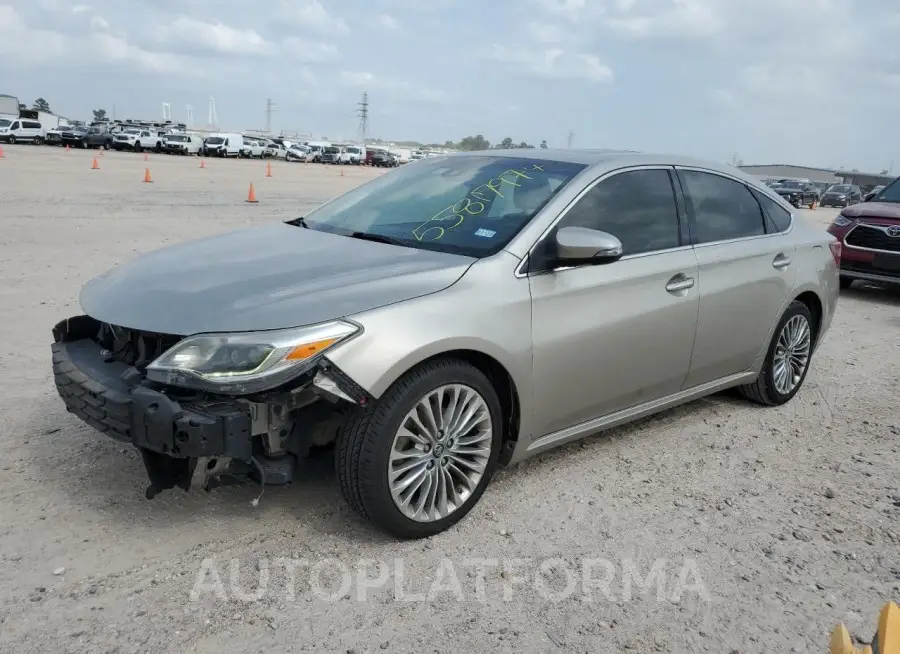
[765,527]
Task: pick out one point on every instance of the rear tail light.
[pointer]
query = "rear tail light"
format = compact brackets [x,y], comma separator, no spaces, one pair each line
[835,247]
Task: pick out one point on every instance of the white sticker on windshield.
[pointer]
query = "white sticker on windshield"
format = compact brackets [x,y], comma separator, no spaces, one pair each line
[487,233]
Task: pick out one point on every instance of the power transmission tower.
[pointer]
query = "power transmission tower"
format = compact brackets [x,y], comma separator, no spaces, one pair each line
[270,107]
[571,136]
[190,115]
[363,113]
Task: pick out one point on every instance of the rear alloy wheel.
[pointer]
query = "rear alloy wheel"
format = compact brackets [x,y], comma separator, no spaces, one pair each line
[416,461]
[787,360]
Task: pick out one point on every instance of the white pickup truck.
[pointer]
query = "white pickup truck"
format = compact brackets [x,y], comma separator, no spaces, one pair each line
[253,149]
[138,140]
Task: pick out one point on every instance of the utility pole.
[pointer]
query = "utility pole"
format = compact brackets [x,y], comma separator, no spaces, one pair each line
[270,107]
[363,113]
[571,136]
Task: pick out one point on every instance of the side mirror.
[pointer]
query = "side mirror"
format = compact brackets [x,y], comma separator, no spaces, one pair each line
[581,245]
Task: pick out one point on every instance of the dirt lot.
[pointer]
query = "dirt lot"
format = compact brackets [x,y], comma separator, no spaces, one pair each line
[767,526]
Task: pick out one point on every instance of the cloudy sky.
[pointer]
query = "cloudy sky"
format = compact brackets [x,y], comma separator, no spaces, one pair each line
[813,82]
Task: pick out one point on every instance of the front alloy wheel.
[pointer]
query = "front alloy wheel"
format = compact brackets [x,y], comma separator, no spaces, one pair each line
[415,461]
[440,453]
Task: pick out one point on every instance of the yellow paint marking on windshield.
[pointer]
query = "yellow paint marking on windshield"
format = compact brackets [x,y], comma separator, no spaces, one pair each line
[468,206]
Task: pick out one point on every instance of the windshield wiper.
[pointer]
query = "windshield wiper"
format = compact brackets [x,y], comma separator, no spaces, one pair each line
[377,238]
[298,222]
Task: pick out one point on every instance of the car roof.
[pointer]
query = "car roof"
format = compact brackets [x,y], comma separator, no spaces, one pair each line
[611,159]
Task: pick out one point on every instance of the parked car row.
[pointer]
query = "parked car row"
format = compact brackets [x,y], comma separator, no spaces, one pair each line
[177,139]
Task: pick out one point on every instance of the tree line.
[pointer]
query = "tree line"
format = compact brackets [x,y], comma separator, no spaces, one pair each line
[478,142]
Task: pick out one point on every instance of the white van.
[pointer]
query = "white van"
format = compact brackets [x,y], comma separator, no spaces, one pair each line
[224,145]
[22,130]
[353,155]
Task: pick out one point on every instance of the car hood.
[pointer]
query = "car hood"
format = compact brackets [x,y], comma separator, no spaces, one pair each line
[888,212]
[269,277]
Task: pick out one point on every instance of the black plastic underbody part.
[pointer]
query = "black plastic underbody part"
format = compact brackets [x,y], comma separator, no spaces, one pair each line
[180,434]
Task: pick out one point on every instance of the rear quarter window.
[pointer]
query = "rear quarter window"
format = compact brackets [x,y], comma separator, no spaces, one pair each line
[778,219]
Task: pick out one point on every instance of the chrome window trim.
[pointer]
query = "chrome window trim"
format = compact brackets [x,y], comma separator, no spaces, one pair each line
[882,228]
[674,168]
[588,187]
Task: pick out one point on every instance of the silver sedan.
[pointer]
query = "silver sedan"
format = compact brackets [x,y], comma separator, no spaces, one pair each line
[447,318]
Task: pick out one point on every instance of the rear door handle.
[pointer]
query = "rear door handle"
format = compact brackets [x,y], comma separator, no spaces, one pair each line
[679,283]
[781,262]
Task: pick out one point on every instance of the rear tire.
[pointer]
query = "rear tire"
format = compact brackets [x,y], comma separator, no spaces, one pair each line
[846,282]
[367,440]
[768,390]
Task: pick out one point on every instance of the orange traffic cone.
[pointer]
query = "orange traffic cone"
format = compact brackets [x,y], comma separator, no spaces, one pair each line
[1,152]
[68,149]
[203,163]
[95,165]
[342,171]
[268,169]
[251,195]
[147,179]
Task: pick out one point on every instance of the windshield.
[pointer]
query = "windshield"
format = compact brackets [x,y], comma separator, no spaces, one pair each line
[353,150]
[332,150]
[790,184]
[472,205]
[890,193]
[132,131]
[176,137]
[839,188]
[5,123]
[215,140]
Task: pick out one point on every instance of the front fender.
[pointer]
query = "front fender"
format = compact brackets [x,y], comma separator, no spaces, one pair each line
[488,310]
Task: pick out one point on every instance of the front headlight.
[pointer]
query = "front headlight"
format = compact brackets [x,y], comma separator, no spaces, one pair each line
[247,362]
[842,221]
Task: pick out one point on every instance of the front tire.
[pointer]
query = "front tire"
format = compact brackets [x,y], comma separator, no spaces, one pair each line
[418,459]
[787,361]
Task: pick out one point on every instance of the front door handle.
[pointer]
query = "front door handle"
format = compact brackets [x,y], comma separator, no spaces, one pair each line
[679,283]
[781,262]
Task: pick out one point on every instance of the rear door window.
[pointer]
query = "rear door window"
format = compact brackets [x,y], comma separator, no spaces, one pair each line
[723,208]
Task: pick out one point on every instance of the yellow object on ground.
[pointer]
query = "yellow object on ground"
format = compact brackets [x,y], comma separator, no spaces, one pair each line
[885,641]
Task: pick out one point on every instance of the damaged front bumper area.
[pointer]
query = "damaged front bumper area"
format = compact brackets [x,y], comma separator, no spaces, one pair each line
[190,439]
